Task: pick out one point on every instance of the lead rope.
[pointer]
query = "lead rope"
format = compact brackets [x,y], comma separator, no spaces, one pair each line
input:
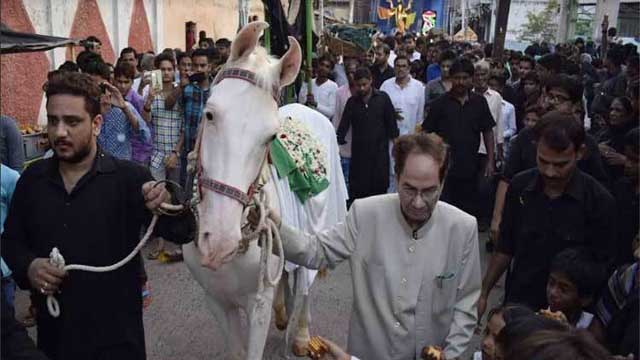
[56,259]
[266,233]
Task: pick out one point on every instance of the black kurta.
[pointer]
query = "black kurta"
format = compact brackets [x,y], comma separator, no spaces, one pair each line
[373,126]
[98,224]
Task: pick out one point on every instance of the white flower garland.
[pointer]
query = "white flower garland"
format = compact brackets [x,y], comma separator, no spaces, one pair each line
[305,150]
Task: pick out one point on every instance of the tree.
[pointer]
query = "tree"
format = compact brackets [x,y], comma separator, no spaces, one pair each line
[542,26]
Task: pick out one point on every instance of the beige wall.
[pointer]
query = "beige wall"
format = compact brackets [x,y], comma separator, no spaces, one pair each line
[219,18]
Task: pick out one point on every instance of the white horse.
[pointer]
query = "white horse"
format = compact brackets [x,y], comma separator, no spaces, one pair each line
[240,120]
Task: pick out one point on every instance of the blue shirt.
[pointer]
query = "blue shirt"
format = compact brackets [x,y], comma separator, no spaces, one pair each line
[117,132]
[433,72]
[8,180]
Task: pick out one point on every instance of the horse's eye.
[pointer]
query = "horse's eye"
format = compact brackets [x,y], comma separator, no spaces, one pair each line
[209,115]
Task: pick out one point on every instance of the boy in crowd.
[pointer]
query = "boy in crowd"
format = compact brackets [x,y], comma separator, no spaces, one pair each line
[575,277]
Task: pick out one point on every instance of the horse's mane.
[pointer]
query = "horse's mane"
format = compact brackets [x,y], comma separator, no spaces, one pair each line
[262,64]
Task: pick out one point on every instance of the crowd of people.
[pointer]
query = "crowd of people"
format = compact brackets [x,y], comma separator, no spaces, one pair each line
[541,147]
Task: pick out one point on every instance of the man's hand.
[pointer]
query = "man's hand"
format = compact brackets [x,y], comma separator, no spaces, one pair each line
[171,161]
[116,97]
[335,352]
[44,277]
[311,100]
[489,170]
[494,231]
[482,306]
[184,78]
[144,81]
[611,156]
[254,218]
[154,195]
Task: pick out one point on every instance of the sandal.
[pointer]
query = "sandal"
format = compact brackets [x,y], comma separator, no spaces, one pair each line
[170,257]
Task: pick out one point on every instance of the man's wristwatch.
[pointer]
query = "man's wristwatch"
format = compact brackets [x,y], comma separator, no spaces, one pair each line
[175,152]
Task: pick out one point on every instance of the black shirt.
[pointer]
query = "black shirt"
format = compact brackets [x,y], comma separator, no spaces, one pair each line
[523,152]
[380,76]
[614,138]
[535,228]
[461,126]
[628,206]
[98,224]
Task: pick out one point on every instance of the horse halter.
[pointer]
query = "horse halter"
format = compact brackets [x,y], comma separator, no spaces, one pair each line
[218,186]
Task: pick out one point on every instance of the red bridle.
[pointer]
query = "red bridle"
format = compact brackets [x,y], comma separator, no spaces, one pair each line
[217,186]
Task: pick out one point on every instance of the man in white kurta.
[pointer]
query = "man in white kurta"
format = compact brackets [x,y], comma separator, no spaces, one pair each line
[413,285]
[407,96]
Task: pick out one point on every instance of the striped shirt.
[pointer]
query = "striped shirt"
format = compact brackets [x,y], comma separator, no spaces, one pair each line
[167,126]
[621,287]
[193,101]
[116,134]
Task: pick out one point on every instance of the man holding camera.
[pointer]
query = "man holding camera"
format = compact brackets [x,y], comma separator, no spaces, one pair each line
[192,94]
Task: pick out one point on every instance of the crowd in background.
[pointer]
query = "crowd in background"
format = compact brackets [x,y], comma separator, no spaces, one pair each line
[544,148]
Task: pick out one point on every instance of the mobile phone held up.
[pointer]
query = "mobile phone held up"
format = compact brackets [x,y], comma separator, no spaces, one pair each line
[196,77]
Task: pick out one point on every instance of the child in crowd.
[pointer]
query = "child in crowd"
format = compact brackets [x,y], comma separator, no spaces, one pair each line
[496,321]
[575,278]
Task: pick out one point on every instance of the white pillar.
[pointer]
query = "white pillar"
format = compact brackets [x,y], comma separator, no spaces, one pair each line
[492,24]
[463,10]
[352,5]
[243,10]
[321,23]
[605,7]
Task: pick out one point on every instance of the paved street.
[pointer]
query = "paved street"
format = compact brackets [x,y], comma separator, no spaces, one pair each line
[178,326]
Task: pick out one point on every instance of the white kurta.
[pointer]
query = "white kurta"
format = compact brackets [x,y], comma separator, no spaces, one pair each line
[409,100]
[325,96]
[494,99]
[325,209]
[411,288]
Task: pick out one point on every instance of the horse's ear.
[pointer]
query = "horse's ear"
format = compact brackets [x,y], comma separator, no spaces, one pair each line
[247,40]
[290,63]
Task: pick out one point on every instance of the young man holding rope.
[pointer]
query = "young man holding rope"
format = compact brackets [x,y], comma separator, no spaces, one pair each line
[90,206]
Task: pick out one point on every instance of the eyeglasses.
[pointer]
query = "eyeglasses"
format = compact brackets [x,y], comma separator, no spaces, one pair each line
[427,196]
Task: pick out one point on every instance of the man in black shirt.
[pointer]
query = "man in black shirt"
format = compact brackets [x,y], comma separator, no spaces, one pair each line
[91,206]
[371,115]
[460,117]
[381,70]
[562,94]
[548,209]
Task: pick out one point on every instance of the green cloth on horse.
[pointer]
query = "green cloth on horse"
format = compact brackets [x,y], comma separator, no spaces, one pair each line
[302,183]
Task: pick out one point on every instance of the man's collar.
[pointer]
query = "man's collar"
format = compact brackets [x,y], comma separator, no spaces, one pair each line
[102,163]
[574,188]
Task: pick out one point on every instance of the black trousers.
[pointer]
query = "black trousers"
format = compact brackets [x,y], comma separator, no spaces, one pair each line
[461,193]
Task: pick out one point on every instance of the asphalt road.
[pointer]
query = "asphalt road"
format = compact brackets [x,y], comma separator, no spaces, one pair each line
[178,326]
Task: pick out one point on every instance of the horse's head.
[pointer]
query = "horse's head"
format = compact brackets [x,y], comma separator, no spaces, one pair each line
[239,121]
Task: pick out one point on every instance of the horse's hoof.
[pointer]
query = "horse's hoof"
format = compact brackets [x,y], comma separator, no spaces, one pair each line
[282,325]
[300,348]
[281,319]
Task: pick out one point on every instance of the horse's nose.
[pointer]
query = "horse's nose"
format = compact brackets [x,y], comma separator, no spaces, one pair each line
[206,235]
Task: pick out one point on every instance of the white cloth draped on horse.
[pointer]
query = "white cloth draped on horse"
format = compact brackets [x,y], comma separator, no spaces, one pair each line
[324,209]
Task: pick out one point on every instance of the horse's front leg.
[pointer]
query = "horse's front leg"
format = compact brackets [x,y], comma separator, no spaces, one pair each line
[279,305]
[259,317]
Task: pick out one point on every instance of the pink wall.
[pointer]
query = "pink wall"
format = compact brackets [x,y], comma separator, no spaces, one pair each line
[88,21]
[139,34]
[21,75]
